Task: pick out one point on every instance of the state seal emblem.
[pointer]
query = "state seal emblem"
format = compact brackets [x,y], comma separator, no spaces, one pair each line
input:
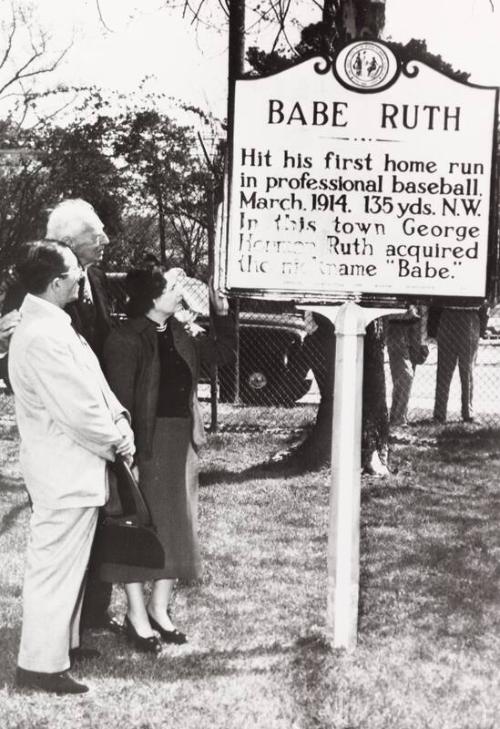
[366,66]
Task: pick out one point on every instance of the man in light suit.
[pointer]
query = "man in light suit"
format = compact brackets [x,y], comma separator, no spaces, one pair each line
[70,424]
[76,223]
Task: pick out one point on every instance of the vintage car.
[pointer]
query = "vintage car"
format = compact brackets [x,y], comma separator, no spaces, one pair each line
[271,367]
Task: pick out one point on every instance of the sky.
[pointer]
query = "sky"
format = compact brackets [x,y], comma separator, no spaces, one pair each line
[191,63]
[465,32]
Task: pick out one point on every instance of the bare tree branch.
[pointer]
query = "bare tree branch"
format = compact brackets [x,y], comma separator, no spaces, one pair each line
[46,117]
[8,47]
[19,74]
[224,7]
[196,13]
[101,18]
[26,55]
[281,9]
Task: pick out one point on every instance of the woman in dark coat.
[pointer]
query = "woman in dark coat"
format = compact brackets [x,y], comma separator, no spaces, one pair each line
[153,365]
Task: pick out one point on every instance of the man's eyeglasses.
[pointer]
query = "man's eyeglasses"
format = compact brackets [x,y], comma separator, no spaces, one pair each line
[77,273]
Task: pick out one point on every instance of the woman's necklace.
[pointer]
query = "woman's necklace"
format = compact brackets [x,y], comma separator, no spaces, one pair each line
[159,327]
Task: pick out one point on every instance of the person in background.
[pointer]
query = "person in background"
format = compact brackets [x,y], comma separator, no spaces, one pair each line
[70,424]
[152,363]
[8,323]
[459,329]
[406,336]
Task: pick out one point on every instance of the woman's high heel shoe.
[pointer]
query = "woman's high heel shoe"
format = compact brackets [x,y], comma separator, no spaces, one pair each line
[145,645]
[168,636]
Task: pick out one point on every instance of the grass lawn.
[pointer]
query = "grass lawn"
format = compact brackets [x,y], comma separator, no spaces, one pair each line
[429,629]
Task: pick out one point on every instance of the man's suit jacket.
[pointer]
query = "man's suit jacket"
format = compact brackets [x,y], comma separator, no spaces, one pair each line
[132,366]
[94,328]
[65,410]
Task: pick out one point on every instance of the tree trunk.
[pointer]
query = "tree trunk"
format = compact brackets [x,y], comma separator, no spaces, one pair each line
[161,229]
[362,18]
[235,70]
[366,19]
[346,20]
[351,19]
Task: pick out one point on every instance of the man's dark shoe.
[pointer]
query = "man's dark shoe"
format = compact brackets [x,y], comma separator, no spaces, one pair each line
[76,655]
[55,683]
[104,623]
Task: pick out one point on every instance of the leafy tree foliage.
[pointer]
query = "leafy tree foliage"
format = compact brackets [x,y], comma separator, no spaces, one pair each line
[416,50]
[163,174]
[145,174]
[314,42]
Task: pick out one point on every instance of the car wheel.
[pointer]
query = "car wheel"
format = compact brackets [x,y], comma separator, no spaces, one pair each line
[276,386]
[256,387]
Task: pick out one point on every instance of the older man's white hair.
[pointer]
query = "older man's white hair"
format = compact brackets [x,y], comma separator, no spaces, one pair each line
[69,218]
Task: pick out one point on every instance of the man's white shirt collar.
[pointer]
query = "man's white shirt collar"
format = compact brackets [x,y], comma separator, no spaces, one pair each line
[35,302]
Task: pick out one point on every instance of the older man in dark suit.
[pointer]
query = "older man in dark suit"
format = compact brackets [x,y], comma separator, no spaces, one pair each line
[76,223]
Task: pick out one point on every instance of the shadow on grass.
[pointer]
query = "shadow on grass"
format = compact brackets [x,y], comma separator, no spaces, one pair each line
[9,519]
[123,662]
[461,443]
[429,538]
[261,471]
[11,484]
[433,566]
[119,660]
[9,640]
[316,682]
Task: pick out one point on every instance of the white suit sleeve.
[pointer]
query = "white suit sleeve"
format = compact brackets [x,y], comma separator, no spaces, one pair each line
[72,396]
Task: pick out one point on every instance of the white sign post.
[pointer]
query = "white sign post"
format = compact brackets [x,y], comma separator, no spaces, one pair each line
[350,322]
[361,179]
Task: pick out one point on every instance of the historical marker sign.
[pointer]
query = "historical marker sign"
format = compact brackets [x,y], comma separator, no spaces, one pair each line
[366,177]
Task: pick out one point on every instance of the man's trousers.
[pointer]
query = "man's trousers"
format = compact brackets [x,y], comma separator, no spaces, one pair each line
[56,560]
[458,341]
[402,369]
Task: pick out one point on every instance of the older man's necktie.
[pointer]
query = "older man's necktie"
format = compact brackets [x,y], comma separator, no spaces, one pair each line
[86,308]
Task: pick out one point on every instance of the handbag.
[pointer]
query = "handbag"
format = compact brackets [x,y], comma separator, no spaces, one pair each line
[129,537]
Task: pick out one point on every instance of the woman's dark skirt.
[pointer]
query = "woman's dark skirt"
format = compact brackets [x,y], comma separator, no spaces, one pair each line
[169,484]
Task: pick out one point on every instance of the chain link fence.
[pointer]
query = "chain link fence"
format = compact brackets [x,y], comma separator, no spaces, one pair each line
[284,356]
[284,360]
